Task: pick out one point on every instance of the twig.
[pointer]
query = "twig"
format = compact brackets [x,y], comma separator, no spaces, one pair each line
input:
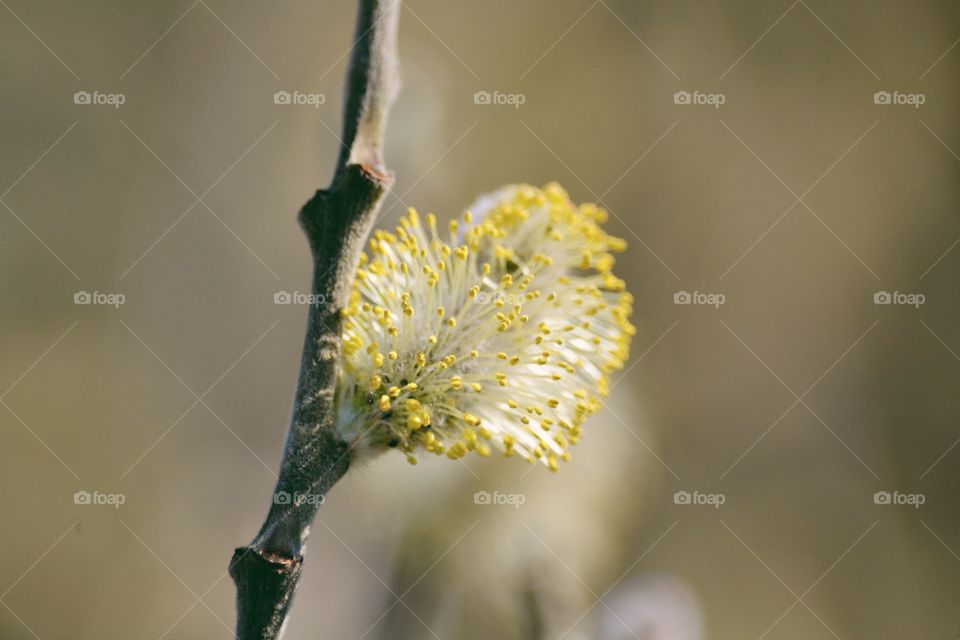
[336,221]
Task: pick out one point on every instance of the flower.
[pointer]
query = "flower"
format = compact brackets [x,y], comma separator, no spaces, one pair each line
[500,333]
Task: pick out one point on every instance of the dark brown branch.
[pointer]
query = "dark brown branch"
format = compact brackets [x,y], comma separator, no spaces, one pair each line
[336,221]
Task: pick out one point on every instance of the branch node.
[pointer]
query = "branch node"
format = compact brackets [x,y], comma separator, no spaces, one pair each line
[260,577]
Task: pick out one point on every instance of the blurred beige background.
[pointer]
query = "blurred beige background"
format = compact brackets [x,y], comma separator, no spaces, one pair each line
[797,199]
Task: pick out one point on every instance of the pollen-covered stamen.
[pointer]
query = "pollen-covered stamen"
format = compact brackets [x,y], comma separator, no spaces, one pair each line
[499,333]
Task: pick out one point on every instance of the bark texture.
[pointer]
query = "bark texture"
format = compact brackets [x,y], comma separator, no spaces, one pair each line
[336,221]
